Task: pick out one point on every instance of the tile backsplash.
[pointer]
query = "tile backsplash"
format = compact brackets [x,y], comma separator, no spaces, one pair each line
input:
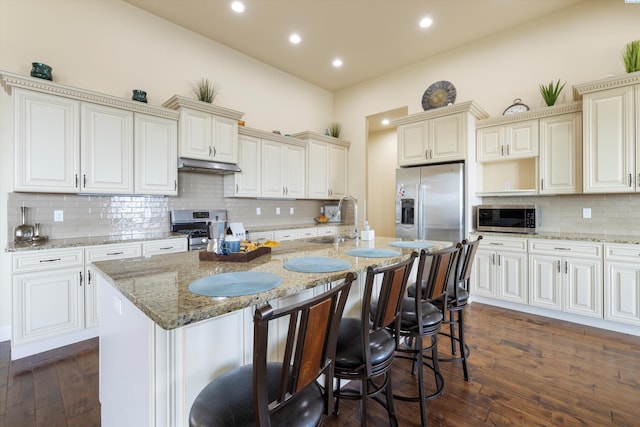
[612,214]
[88,216]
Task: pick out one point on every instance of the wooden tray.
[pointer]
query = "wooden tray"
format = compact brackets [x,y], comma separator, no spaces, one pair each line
[235,256]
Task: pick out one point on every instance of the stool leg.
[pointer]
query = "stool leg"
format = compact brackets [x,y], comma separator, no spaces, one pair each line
[390,408]
[463,353]
[452,330]
[423,403]
[364,388]
[336,409]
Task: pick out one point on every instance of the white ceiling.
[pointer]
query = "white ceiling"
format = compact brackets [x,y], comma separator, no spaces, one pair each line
[373,37]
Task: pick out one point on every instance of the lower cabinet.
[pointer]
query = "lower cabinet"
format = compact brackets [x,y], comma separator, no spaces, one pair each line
[501,269]
[566,276]
[55,301]
[622,283]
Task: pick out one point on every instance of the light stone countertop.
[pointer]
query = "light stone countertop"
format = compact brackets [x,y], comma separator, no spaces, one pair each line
[90,241]
[159,285]
[579,237]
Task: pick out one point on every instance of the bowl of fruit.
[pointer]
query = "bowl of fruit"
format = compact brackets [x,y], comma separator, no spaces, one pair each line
[322,219]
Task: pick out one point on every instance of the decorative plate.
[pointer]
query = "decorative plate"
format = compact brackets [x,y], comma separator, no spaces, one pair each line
[439,94]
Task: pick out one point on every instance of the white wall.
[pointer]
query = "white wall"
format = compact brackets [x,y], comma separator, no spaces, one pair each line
[577,45]
[112,47]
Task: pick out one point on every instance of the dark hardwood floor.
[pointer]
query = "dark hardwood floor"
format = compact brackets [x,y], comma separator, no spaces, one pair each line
[525,371]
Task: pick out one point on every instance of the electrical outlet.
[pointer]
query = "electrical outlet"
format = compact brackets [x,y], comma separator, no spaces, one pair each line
[291,211]
[321,209]
[586,212]
[277,211]
[58,216]
[258,211]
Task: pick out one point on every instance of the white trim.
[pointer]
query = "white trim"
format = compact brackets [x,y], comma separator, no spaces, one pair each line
[29,349]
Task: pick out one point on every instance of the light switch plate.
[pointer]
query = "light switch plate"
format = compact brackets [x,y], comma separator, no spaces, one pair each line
[258,211]
[277,211]
[291,211]
[586,212]
[58,216]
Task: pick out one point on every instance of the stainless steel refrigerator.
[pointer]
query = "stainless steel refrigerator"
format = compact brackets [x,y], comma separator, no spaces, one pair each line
[430,202]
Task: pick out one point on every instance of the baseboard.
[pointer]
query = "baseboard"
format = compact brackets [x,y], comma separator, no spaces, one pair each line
[39,346]
[622,328]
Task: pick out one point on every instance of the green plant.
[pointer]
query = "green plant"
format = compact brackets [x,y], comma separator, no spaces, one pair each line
[631,56]
[206,90]
[551,91]
[334,129]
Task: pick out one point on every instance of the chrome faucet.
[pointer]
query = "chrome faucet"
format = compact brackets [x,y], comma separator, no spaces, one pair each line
[355,213]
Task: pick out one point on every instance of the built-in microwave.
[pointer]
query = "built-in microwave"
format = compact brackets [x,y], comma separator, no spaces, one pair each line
[507,218]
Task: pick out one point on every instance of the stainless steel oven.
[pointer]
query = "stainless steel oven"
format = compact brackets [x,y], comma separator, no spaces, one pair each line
[508,218]
[196,224]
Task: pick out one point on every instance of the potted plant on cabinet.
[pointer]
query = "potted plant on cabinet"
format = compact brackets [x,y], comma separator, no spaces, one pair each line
[206,91]
[551,91]
[631,56]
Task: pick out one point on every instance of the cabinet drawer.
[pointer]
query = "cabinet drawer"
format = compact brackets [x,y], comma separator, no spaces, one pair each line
[328,230]
[47,259]
[166,246]
[507,244]
[281,235]
[630,253]
[303,233]
[255,236]
[107,252]
[565,248]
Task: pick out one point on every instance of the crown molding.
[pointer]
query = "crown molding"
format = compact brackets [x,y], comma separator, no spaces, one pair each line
[11,80]
[306,135]
[608,83]
[176,102]
[573,107]
[263,134]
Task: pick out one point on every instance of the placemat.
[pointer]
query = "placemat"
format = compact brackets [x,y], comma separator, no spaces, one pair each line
[235,284]
[316,265]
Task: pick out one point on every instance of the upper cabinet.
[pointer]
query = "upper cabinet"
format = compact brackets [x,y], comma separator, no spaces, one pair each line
[74,141]
[611,134]
[273,166]
[207,131]
[438,135]
[327,160]
[535,152]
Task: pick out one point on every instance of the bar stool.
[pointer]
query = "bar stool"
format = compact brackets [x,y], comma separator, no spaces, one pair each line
[365,349]
[285,393]
[421,321]
[454,301]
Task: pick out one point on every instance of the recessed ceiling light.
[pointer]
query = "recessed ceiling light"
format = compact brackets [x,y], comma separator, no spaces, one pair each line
[237,6]
[337,62]
[294,38]
[385,122]
[426,22]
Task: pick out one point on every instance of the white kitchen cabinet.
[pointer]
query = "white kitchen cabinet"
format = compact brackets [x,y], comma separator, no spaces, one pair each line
[439,139]
[283,235]
[500,269]
[327,159]
[164,246]
[207,131]
[106,152]
[561,154]
[48,296]
[611,111]
[248,182]
[69,140]
[622,283]
[47,142]
[156,140]
[566,276]
[95,254]
[509,141]
[283,171]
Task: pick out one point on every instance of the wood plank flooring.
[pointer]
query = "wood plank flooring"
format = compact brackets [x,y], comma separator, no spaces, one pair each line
[525,371]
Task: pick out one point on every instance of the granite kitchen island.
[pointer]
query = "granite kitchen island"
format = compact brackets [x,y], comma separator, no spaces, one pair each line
[160,344]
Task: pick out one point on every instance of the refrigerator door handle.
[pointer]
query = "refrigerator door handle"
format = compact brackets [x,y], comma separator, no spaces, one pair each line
[421,221]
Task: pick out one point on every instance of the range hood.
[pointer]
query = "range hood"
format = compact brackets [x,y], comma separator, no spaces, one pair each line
[206,166]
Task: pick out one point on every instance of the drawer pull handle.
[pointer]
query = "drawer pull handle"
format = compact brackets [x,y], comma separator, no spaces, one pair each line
[496,244]
[114,253]
[166,248]
[562,249]
[51,260]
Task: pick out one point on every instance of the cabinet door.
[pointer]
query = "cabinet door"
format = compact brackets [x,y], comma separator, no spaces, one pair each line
[622,292]
[446,138]
[272,176]
[609,147]
[156,162]
[337,174]
[490,145]
[412,140]
[318,165]
[484,278]
[106,150]
[246,183]
[195,134]
[545,282]
[512,270]
[47,304]
[583,284]
[47,142]
[561,154]
[522,139]
[101,253]
[294,170]
[225,139]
